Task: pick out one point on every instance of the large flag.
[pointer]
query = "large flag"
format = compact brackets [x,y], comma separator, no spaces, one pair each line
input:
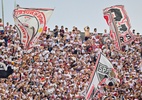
[103,68]
[119,24]
[30,23]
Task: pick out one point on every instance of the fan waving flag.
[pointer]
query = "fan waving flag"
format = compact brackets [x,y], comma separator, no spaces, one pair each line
[30,23]
[103,68]
[119,24]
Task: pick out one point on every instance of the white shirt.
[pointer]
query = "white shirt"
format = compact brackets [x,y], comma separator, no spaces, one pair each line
[1,26]
[1,40]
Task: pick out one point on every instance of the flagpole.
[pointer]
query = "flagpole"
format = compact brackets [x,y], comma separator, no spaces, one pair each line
[2,11]
[15,5]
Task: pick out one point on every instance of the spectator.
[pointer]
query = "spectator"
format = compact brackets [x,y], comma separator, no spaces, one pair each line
[55,31]
[87,33]
[95,31]
[60,67]
[1,27]
[62,31]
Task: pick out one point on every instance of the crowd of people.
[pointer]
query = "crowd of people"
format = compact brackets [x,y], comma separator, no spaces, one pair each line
[60,64]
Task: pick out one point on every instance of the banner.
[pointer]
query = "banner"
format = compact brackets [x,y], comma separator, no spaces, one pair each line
[30,23]
[103,68]
[5,70]
[119,24]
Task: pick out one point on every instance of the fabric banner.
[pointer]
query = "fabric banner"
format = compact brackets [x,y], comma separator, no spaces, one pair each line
[119,24]
[103,68]
[3,66]
[5,70]
[30,23]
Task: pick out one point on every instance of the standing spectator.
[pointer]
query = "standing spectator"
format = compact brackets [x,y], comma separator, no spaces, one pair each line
[6,28]
[1,26]
[55,31]
[87,32]
[73,34]
[62,31]
[49,33]
[105,33]
[95,31]
[5,37]
[77,33]
[67,34]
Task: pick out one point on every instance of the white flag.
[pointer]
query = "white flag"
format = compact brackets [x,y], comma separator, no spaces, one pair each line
[30,23]
[102,69]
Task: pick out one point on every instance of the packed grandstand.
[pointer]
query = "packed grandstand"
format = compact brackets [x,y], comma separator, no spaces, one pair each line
[60,65]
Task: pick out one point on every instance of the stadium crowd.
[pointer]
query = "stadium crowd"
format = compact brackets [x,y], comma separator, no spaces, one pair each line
[60,64]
